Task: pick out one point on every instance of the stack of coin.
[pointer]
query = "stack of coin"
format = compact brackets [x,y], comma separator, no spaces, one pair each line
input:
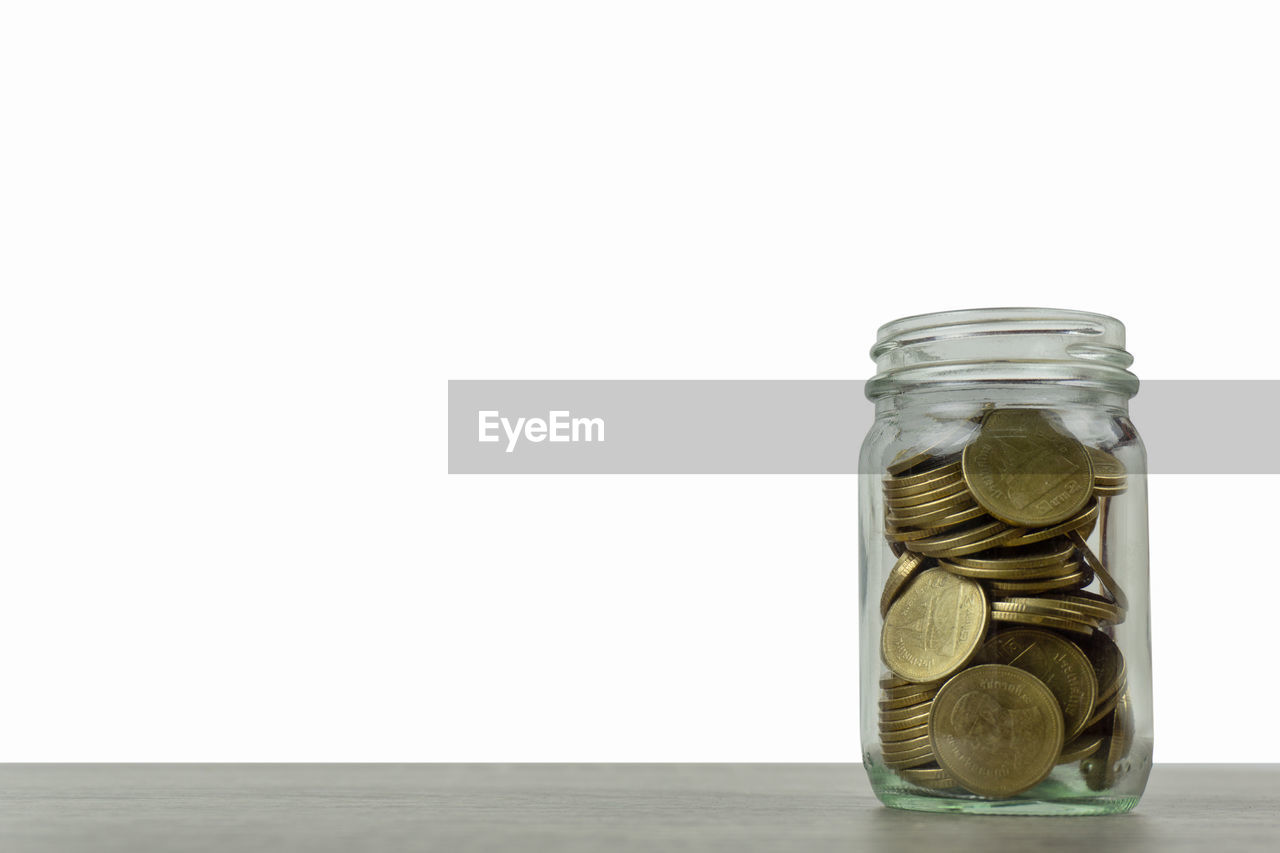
[904,717]
[1001,664]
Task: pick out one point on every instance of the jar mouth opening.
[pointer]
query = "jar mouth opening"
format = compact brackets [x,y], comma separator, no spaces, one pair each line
[970,322]
[1001,346]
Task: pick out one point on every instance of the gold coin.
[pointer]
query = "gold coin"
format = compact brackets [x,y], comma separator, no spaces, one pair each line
[1105,709]
[928,777]
[1012,574]
[906,466]
[1025,472]
[941,451]
[1050,607]
[891,681]
[1092,605]
[907,723]
[893,704]
[938,518]
[899,762]
[969,540]
[934,627]
[910,535]
[1053,552]
[906,460]
[904,713]
[939,508]
[941,517]
[1105,466]
[1108,664]
[1081,747]
[937,525]
[927,481]
[945,468]
[936,488]
[903,570]
[1122,728]
[1057,662]
[1100,570]
[996,730]
[981,545]
[1041,621]
[1072,581]
[907,502]
[1104,491]
[909,733]
[909,688]
[1084,518]
[1101,770]
[909,745]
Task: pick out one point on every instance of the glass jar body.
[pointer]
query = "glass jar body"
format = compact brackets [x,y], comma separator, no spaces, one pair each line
[947,586]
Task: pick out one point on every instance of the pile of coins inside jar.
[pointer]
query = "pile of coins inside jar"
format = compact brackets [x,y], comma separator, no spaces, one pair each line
[1001,664]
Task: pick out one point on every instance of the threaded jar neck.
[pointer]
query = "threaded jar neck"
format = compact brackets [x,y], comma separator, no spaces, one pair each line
[992,347]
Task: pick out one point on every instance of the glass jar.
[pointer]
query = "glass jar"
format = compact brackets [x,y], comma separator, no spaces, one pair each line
[1006,657]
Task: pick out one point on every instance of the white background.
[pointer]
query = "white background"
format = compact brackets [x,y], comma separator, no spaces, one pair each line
[244,245]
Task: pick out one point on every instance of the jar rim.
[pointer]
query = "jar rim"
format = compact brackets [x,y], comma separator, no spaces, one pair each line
[940,322]
[985,346]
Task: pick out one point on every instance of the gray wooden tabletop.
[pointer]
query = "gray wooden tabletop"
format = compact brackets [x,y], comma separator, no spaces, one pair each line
[604,807]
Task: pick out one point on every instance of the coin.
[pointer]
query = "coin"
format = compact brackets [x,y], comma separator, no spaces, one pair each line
[1049,553]
[928,777]
[910,535]
[1057,662]
[996,729]
[903,570]
[1071,581]
[901,688]
[1051,607]
[1026,473]
[1102,770]
[954,543]
[1011,574]
[1092,605]
[934,626]
[1108,663]
[1105,707]
[899,495]
[918,463]
[927,475]
[908,502]
[938,525]
[1081,747]
[909,745]
[909,733]
[1099,569]
[930,503]
[905,723]
[898,762]
[904,713]
[905,487]
[1105,466]
[907,701]
[1084,518]
[1122,728]
[1041,621]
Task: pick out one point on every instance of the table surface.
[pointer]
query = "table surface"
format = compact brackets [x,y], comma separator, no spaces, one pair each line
[568,807]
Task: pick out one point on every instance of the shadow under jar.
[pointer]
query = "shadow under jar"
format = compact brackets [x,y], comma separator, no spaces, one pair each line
[1006,658]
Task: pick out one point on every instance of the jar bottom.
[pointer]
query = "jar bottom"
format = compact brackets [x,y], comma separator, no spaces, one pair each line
[1051,797]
